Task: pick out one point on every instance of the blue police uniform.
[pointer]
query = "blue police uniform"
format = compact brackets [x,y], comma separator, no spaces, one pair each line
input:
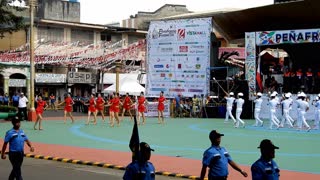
[217,159]
[16,151]
[145,171]
[262,170]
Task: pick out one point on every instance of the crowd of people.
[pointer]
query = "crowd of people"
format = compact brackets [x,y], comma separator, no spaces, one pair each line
[275,102]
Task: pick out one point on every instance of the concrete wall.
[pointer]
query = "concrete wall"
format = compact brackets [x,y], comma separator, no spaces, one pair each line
[53,34]
[59,10]
[13,41]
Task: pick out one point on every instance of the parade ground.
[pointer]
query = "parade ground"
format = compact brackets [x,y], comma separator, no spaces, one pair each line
[179,144]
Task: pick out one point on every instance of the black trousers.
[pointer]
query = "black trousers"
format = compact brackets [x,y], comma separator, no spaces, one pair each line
[218,178]
[16,159]
[24,111]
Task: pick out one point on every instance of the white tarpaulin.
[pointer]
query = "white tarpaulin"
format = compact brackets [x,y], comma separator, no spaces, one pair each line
[127,85]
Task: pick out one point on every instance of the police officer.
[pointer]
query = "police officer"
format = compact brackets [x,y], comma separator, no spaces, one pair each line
[266,168]
[141,169]
[16,138]
[217,159]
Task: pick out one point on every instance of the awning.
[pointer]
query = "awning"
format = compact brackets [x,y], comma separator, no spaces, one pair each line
[284,16]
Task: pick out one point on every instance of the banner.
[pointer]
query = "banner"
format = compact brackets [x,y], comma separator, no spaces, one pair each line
[81,77]
[152,109]
[288,37]
[50,78]
[178,58]
[17,83]
[250,63]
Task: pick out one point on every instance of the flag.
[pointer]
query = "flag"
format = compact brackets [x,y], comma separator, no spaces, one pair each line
[134,141]
[258,76]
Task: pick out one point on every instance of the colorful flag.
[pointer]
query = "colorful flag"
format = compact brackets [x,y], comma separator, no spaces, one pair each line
[134,141]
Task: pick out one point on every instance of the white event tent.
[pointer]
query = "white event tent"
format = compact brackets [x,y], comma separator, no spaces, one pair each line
[127,85]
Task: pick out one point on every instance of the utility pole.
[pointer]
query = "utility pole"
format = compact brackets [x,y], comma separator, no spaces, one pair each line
[32,113]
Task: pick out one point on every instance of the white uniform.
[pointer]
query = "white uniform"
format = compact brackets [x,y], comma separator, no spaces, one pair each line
[290,118]
[273,103]
[230,101]
[298,101]
[240,103]
[257,109]
[303,105]
[317,115]
[286,104]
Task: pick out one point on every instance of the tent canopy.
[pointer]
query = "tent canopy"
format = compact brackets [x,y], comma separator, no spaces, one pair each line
[127,85]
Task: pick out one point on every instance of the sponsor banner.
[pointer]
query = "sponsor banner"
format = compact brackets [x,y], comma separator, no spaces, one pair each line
[81,77]
[288,37]
[17,83]
[50,78]
[152,109]
[310,114]
[179,57]
[250,63]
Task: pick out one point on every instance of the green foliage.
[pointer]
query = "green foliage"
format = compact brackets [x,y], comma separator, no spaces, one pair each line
[9,22]
[7,108]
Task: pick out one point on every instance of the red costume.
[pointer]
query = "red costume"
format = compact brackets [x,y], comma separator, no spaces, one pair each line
[115,104]
[100,104]
[40,106]
[68,106]
[141,101]
[161,101]
[92,107]
[126,103]
[111,106]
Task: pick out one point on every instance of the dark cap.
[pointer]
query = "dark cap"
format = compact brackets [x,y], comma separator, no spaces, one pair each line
[145,147]
[214,134]
[15,120]
[267,144]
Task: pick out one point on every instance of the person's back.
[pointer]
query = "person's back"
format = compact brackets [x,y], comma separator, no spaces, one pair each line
[139,171]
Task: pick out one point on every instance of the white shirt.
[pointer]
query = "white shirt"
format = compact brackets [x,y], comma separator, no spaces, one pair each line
[286,104]
[258,103]
[23,102]
[230,101]
[303,105]
[273,104]
[240,103]
[298,103]
[318,104]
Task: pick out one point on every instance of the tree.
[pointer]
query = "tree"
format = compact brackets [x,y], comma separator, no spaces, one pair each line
[9,21]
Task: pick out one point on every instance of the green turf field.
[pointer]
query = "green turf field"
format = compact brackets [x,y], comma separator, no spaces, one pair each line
[187,138]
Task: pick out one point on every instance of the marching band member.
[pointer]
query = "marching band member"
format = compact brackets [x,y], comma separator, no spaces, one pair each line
[257,108]
[317,113]
[239,102]
[286,104]
[304,107]
[230,100]
[273,103]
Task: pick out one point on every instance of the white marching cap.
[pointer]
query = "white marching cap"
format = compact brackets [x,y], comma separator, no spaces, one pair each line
[259,94]
[303,94]
[231,93]
[274,94]
[318,95]
[287,95]
[240,94]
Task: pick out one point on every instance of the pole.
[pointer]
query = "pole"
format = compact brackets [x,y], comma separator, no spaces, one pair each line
[32,68]
[117,77]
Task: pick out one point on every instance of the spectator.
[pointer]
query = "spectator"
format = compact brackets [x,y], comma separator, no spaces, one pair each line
[266,167]
[142,169]
[217,159]
[6,99]
[178,108]
[22,107]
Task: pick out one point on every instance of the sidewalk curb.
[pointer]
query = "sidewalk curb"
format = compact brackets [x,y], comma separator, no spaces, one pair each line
[104,165]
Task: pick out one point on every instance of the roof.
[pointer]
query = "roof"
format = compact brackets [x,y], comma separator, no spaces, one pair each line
[175,5]
[284,16]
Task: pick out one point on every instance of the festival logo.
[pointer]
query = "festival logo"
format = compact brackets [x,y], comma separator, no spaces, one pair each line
[183,48]
[181,34]
[266,37]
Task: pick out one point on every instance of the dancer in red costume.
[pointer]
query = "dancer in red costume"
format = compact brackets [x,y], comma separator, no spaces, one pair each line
[41,106]
[100,106]
[92,110]
[116,108]
[68,108]
[141,108]
[127,104]
[161,102]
